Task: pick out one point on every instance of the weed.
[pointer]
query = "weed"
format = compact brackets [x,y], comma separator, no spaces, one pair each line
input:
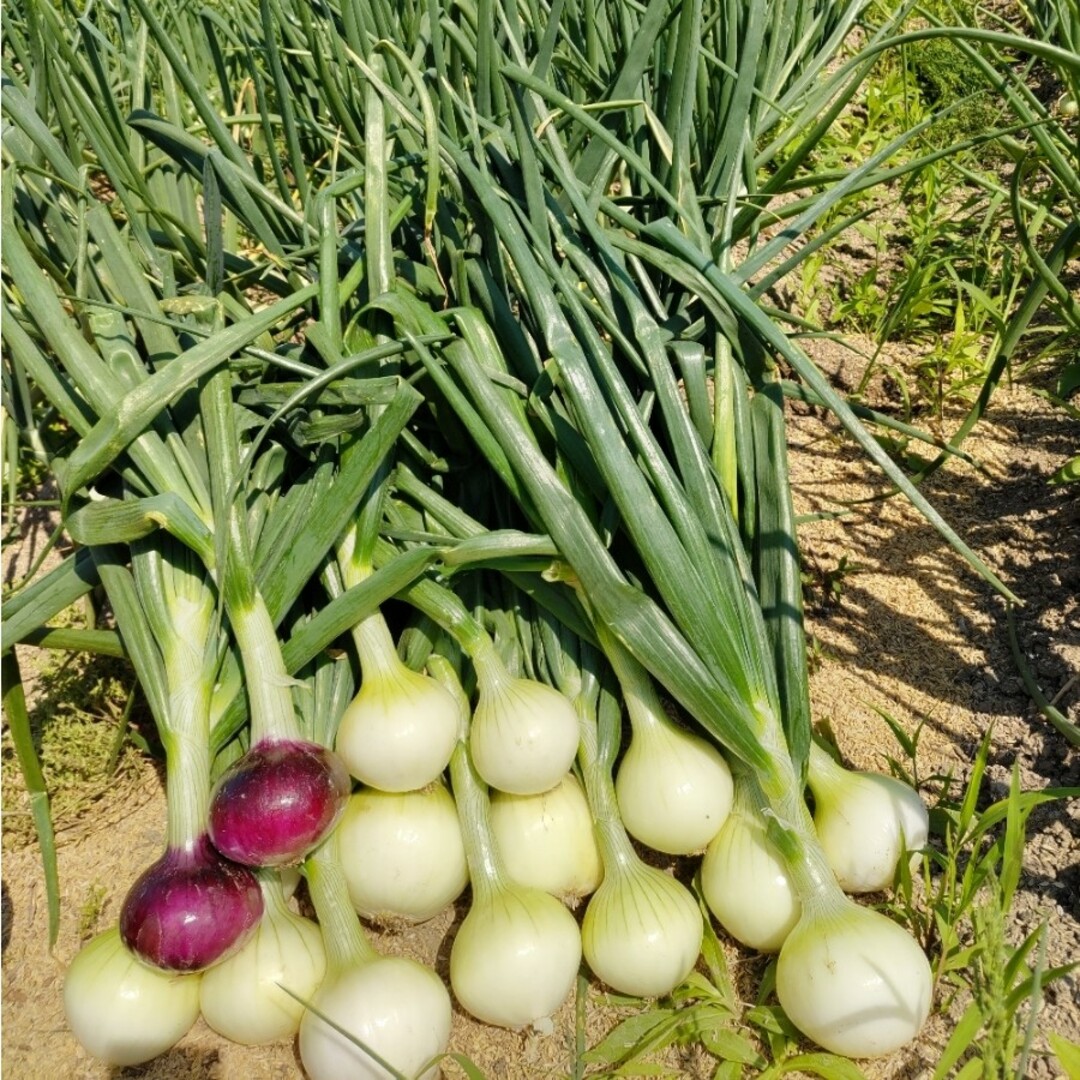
[90,912]
[76,705]
[823,588]
[959,904]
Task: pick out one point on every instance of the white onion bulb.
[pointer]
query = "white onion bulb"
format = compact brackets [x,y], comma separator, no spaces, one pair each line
[402,854]
[853,981]
[397,1007]
[398,732]
[674,789]
[524,734]
[547,840]
[515,956]
[746,885]
[242,997]
[642,931]
[123,1011]
[864,821]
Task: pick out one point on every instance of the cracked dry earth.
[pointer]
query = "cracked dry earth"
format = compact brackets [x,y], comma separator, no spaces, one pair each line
[901,627]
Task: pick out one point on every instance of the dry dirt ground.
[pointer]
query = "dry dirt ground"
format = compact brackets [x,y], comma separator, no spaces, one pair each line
[906,629]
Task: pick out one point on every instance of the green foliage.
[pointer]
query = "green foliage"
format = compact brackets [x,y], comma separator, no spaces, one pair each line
[188,195]
[948,78]
[960,906]
[78,719]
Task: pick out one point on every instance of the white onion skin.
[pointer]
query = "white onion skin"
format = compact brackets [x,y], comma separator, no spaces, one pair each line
[396,1006]
[515,956]
[674,789]
[864,820]
[853,981]
[746,885]
[123,1011]
[402,854]
[642,932]
[242,997]
[397,734]
[524,735]
[547,840]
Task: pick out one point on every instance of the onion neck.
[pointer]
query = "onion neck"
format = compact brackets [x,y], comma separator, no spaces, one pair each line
[187,789]
[267,680]
[776,795]
[486,869]
[492,675]
[374,643]
[187,740]
[347,946]
[824,774]
[375,647]
[275,906]
[616,850]
[445,608]
[643,703]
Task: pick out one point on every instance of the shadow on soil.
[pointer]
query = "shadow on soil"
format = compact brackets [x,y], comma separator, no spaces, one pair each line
[191,1064]
[1032,531]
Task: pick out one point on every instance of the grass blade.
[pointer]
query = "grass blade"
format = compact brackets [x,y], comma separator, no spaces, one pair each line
[23,740]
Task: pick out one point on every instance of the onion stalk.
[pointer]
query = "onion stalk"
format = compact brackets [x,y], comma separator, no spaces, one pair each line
[281,798]
[396,1012]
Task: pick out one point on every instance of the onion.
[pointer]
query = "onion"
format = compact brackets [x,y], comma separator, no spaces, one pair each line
[242,997]
[524,734]
[547,840]
[397,1008]
[122,1011]
[849,978]
[745,882]
[399,730]
[277,802]
[517,952]
[282,798]
[674,789]
[864,821]
[642,929]
[852,980]
[402,854]
[190,909]
[515,956]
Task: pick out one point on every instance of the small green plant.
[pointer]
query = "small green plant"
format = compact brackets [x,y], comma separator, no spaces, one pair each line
[705,1012]
[823,587]
[959,903]
[92,907]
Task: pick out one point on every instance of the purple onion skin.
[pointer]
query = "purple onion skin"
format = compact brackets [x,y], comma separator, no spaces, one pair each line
[277,802]
[190,909]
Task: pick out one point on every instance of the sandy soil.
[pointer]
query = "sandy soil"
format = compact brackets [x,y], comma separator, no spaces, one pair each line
[910,632]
